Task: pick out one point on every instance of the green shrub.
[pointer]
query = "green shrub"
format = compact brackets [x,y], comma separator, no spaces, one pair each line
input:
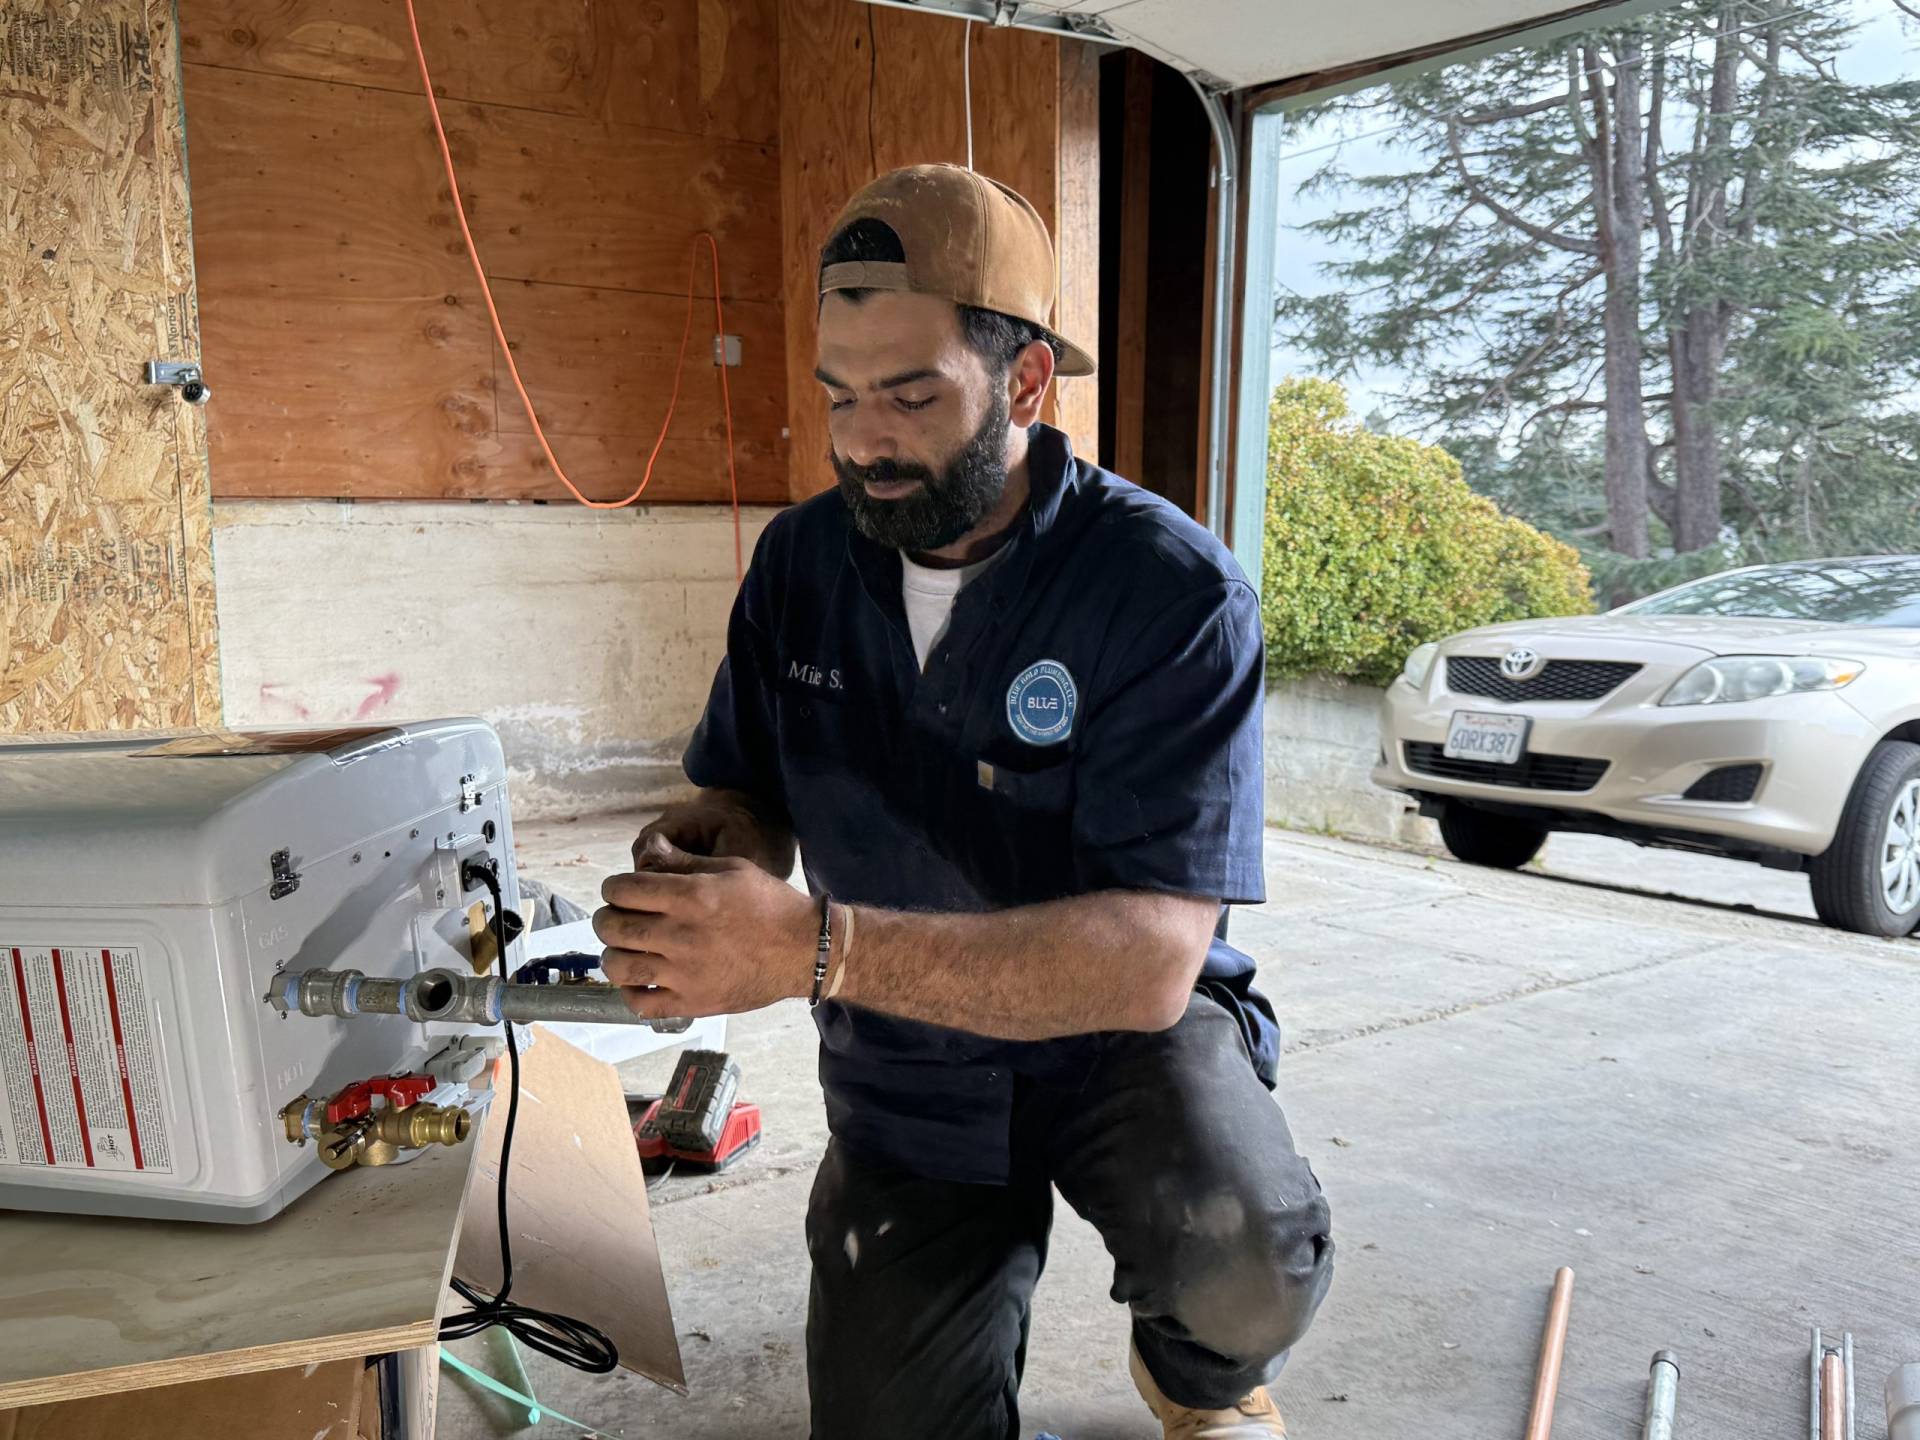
[1375,544]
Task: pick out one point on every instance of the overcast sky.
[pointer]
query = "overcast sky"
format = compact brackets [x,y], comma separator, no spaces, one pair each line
[1884,48]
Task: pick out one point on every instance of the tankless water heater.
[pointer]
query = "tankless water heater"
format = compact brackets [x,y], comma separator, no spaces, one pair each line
[154,897]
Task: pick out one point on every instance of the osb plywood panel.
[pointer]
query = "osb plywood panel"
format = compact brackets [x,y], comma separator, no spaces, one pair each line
[865,89]
[105,561]
[708,67]
[183,342]
[347,338]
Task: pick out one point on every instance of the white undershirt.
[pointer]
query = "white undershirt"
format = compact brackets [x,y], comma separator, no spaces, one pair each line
[928,595]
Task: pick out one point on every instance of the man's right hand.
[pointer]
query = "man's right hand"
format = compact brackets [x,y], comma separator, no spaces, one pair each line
[720,823]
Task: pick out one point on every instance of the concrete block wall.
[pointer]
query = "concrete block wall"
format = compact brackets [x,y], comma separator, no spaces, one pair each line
[1322,739]
[588,638]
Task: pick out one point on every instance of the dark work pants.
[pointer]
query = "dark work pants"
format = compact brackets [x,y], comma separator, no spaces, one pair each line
[1172,1150]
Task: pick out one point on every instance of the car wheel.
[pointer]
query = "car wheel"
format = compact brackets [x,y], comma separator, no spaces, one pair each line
[1495,840]
[1869,879]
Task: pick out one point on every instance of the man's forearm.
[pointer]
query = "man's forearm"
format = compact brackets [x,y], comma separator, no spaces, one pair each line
[1117,960]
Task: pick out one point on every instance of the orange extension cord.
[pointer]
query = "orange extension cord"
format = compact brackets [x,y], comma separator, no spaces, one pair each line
[500,335]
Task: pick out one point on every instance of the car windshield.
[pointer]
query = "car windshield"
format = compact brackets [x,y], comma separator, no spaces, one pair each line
[1834,592]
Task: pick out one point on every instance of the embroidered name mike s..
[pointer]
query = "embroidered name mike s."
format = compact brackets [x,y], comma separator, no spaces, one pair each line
[814,675]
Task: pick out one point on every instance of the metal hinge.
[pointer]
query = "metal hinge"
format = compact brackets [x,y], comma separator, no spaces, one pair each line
[286,879]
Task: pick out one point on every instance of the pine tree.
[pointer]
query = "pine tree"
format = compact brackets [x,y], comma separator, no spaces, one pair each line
[1657,279]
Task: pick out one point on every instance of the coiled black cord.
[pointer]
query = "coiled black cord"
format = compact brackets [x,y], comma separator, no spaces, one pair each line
[561,1337]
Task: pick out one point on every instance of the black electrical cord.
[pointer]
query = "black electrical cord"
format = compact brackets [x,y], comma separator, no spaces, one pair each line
[560,1337]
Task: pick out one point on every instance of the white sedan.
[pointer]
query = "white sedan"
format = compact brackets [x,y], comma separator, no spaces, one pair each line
[1769,714]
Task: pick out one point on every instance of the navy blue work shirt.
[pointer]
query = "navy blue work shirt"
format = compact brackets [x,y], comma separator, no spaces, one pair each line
[1089,721]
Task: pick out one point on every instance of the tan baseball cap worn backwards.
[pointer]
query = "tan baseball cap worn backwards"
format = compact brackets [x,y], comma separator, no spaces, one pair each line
[967,239]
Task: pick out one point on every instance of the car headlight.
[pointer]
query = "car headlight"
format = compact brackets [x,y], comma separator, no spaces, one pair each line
[1419,665]
[1734,678]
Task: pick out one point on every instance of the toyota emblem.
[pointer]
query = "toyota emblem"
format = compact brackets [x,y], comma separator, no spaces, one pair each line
[1521,664]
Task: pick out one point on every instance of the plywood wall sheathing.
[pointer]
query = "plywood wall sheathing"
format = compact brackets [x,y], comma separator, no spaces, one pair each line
[345,330]
[1077,236]
[106,576]
[865,88]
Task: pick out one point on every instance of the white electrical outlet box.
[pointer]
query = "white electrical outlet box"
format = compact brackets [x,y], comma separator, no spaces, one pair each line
[151,889]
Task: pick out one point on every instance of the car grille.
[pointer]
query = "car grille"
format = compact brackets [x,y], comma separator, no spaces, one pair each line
[1532,772]
[1558,680]
[1728,785]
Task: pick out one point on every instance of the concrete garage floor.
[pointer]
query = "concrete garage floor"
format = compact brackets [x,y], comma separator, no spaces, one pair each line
[1707,1112]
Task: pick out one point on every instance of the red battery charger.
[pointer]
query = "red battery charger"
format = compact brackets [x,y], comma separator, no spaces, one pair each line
[698,1123]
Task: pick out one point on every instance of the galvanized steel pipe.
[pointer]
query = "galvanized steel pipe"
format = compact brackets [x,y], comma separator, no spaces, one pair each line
[1663,1390]
[450,997]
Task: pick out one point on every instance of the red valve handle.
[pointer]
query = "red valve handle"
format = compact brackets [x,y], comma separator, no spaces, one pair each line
[357,1099]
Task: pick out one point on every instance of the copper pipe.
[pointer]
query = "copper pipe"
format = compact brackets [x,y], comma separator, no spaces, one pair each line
[1833,1397]
[1553,1345]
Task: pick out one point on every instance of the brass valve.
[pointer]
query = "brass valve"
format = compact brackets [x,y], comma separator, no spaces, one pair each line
[351,1131]
[415,1127]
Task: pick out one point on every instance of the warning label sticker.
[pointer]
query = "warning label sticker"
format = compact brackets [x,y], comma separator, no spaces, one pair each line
[80,1083]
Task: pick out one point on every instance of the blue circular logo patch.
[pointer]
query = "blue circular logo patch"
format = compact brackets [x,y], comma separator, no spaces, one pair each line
[1040,703]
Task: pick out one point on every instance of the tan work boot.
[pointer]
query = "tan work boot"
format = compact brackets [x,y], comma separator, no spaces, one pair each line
[1254,1418]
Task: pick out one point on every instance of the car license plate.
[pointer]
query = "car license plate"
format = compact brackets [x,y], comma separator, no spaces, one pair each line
[1496,739]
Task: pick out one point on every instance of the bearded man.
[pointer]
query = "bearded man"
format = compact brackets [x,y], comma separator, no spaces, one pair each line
[1008,705]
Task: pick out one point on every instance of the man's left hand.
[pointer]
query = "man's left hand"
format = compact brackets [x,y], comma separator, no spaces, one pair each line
[693,936]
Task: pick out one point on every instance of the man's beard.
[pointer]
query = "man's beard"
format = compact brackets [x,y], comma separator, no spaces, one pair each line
[946,506]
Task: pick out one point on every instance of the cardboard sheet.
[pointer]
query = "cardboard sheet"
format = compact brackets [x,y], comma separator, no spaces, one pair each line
[583,1241]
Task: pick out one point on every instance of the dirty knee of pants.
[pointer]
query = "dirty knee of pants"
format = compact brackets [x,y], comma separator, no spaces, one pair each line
[1249,1290]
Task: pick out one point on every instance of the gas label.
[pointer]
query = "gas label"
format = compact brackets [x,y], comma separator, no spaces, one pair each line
[80,1082]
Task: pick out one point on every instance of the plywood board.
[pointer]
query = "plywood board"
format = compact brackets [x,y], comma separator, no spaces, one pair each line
[359,1265]
[347,335]
[1077,237]
[610,467]
[867,88]
[829,147]
[1129,377]
[602,362]
[582,1239]
[105,558]
[739,83]
[702,66]
[600,365]
[583,202]
[307,1402]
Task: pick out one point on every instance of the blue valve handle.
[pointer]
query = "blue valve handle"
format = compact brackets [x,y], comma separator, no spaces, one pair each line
[575,965]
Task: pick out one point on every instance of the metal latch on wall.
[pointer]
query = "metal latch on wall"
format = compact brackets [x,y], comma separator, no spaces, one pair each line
[184,376]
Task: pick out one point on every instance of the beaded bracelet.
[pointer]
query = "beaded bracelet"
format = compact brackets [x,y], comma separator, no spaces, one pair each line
[823,954]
